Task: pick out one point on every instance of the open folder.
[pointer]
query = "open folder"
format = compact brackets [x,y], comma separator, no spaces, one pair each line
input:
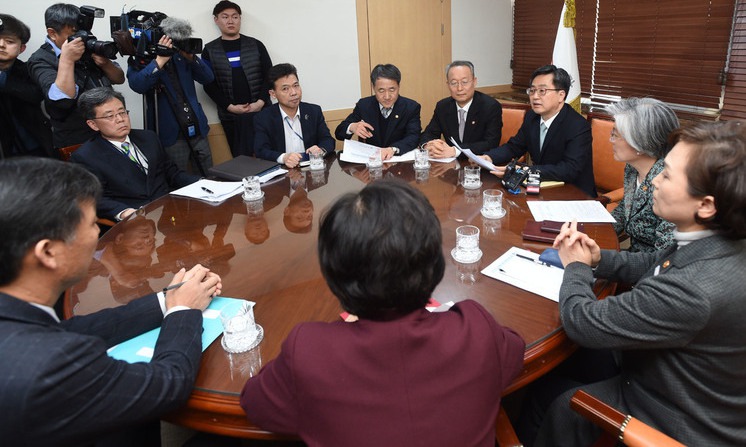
[141,348]
[523,269]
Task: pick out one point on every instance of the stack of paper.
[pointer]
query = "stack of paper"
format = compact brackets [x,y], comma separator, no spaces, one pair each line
[522,269]
[568,210]
[210,190]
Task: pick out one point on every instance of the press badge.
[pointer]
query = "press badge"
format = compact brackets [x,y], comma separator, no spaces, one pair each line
[191,130]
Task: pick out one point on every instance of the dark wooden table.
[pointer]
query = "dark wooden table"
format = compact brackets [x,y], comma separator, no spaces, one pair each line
[268,255]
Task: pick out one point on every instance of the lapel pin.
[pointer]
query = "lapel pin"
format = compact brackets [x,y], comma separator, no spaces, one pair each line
[306,117]
[645,188]
[396,116]
[666,263]
[473,123]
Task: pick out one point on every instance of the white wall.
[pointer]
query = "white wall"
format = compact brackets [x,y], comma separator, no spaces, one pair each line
[319,37]
[482,33]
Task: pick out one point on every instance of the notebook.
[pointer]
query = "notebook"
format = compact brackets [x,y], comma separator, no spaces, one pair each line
[242,166]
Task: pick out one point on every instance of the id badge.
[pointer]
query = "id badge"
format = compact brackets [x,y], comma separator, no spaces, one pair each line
[191,130]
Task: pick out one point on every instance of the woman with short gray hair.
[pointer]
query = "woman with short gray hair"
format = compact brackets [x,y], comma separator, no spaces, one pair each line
[640,139]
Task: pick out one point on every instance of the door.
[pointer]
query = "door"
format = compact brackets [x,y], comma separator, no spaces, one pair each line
[414,35]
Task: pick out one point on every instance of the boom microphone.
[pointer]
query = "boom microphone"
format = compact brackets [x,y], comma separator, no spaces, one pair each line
[176,29]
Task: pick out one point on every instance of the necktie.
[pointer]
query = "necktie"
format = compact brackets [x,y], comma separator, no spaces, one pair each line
[128,152]
[542,133]
[461,123]
[385,112]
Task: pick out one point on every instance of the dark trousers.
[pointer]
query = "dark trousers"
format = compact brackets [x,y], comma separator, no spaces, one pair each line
[240,134]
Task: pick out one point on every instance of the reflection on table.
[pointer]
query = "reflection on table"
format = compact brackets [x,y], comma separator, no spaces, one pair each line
[266,252]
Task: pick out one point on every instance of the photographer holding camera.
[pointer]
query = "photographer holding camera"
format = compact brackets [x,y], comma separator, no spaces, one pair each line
[166,77]
[70,62]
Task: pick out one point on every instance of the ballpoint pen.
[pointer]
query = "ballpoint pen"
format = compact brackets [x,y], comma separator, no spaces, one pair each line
[174,286]
[207,190]
[528,258]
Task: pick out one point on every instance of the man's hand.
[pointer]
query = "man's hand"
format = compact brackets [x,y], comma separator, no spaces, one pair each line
[127,213]
[361,129]
[292,159]
[163,60]
[500,171]
[439,149]
[314,150]
[386,153]
[73,50]
[200,286]
[239,109]
[576,246]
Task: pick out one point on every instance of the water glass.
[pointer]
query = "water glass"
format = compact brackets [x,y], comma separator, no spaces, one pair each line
[317,161]
[374,159]
[421,158]
[467,244]
[252,188]
[472,179]
[240,331]
[492,204]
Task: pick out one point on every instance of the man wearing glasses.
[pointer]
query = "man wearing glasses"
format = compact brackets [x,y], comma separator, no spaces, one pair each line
[470,117]
[132,166]
[556,136]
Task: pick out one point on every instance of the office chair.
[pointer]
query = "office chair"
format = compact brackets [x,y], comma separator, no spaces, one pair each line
[608,173]
[65,154]
[618,426]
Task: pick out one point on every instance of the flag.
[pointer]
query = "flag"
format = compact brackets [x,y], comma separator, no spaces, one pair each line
[565,54]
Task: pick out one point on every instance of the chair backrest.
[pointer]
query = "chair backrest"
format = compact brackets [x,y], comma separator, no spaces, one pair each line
[634,433]
[609,173]
[67,151]
[513,115]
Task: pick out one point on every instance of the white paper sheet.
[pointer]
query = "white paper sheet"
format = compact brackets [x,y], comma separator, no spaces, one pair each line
[210,190]
[528,275]
[567,210]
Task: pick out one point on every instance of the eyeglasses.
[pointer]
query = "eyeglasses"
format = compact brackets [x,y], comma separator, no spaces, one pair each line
[614,135]
[462,83]
[113,116]
[541,91]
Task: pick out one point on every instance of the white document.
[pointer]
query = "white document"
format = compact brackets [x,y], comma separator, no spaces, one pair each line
[479,160]
[210,190]
[356,152]
[527,274]
[567,210]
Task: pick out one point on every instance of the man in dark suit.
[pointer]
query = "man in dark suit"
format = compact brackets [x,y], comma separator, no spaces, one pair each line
[289,130]
[565,151]
[132,166]
[59,386]
[472,118]
[386,120]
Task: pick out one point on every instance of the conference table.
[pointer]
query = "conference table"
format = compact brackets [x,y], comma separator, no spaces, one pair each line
[266,252]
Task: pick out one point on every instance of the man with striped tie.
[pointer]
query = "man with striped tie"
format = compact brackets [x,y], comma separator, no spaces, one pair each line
[288,131]
[132,166]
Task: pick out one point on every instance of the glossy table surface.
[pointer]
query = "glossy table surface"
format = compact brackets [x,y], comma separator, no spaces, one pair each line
[267,253]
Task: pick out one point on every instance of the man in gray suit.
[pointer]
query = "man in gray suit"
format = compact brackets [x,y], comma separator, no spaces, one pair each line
[680,330]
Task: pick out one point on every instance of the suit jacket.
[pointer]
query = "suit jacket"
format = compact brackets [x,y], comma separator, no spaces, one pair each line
[402,131]
[146,79]
[567,155]
[124,184]
[59,387]
[634,214]
[484,123]
[68,124]
[269,139]
[680,332]
[424,379]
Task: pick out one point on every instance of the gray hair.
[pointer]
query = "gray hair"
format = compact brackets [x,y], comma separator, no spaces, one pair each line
[460,64]
[90,99]
[385,71]
[645,123]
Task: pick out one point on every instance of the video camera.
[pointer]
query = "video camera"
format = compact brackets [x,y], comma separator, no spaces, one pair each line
[137,34]
[92,45]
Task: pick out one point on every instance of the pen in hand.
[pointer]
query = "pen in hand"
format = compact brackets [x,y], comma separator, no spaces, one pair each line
[174,286]
[207,190]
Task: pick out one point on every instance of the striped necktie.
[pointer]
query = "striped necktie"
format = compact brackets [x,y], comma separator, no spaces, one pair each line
[129,153]
[386,112]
